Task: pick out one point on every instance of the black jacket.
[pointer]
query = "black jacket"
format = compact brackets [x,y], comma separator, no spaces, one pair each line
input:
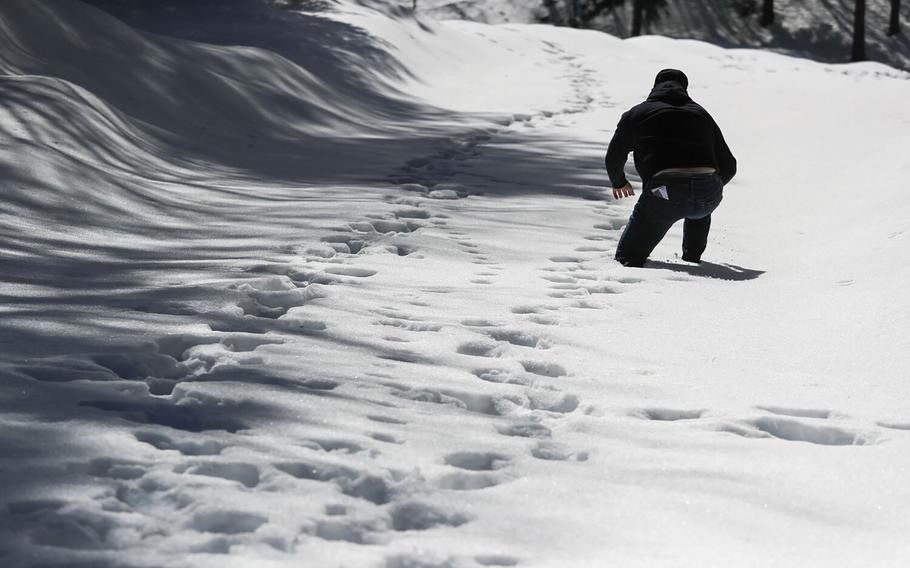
[668,130]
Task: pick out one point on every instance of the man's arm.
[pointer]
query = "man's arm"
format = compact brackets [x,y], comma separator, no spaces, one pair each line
[725,161]
[617,152]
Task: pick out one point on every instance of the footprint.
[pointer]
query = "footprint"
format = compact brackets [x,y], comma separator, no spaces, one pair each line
[418,516]
[551,451]
[185,447]
[501,376]
[478,322]
[517,337]
[365,486]
[223,521]
[668,414]
[412,214]
[797,412]
[467,482]
[243,473]
[386,419]
[526,430]
[477,461]
[544,368]
[386,438]
[795,431]
[479,349]
[552,401]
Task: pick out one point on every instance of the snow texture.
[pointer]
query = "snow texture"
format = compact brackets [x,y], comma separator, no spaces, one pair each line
[334,287]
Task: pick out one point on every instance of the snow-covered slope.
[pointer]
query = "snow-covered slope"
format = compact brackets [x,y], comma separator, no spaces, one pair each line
[818,29]
[351,302]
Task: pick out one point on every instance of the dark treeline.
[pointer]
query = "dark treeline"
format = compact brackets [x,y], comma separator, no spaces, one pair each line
[583,13]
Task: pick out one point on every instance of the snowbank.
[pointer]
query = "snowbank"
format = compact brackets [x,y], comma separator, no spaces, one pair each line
[332,287]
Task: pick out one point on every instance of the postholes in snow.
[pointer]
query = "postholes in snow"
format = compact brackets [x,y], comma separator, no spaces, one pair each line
[554,451]
[419,516]
[186,447]
[480,348]
[224,521]
[482,403]
[385,226]
[544,368]
[797,431]
[353,531]
[526,430]
[797,412]
[243,473]
[460,481]
[167,412]
[500,376]
[518,337]
[531,309]
[477,461]
[567,259]
[552,401]
[343,446]
[478,322]
[668,414]
[543,320]
[386,438]
[613,224]
[414,213]
[112,468]
[369,487]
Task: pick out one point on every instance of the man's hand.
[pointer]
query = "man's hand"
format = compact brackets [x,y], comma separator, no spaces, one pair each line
[625,191]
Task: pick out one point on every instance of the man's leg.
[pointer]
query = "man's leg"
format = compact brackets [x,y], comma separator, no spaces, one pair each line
[695,238]
[644,230]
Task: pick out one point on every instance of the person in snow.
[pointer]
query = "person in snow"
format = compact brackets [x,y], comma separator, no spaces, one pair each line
[683,161]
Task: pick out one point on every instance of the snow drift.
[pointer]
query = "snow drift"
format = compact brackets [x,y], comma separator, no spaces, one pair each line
[332,287]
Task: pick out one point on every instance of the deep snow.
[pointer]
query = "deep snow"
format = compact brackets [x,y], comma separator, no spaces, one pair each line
[353,303]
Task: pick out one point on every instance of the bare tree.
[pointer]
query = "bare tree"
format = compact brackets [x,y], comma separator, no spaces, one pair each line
[767,13]
[644,12]
[859,31]
[894,27]
[638,12]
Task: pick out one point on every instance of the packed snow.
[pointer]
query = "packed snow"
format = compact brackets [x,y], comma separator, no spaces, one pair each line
[334,287]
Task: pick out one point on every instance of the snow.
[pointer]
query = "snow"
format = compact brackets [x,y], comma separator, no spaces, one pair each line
[353,303]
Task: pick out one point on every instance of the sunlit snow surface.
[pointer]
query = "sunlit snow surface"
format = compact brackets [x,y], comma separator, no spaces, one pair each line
[354,304]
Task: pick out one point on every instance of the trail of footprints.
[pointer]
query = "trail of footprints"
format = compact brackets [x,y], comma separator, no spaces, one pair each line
[193,433]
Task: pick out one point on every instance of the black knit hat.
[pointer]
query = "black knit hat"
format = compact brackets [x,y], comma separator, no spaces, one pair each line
[673,75]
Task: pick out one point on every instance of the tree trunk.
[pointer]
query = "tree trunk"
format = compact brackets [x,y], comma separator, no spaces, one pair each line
[767,13]
[637,16]
[574,13]
[894,27]
[859,32]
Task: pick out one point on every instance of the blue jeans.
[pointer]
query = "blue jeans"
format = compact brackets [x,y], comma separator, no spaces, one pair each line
[692,197]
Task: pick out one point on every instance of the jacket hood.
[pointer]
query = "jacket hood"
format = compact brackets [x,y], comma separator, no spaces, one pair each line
[669,92]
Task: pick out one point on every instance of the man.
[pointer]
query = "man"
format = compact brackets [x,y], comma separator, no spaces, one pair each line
[683,162]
